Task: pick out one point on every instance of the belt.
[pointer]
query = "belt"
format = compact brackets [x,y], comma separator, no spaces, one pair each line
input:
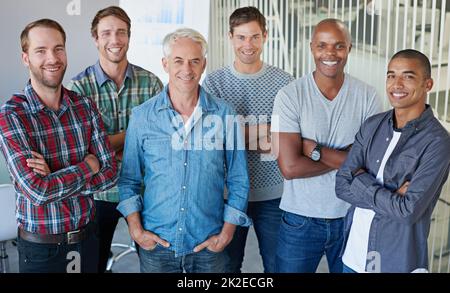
[71,237]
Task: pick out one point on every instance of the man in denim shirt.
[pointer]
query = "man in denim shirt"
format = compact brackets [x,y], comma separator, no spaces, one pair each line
[394,174]
[181,144]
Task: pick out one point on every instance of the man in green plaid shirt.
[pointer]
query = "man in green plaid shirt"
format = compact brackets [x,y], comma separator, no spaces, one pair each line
[116,86]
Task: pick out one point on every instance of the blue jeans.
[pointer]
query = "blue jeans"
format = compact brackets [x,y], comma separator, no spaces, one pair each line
[347,270]
[163,260]
[266,216]
[303,241]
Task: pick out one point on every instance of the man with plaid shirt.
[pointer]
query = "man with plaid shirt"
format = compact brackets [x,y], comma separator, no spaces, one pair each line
[116,86]
[58,155]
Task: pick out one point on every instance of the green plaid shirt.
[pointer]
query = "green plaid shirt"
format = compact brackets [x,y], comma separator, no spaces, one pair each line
[115,104]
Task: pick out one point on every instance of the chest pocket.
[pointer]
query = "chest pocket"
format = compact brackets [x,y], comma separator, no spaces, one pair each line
[212,155]
[157,154]
[402,170]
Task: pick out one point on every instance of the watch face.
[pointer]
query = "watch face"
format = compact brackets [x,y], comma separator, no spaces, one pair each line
[315,155]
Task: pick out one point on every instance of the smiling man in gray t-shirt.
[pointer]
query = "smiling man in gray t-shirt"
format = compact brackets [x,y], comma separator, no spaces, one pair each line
[318,116]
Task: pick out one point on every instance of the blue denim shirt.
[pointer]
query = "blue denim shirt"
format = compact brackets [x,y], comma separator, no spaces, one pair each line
[184,175]
[401,224]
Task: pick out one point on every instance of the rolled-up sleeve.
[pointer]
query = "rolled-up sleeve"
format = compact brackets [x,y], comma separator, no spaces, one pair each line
[237,179]
[131,175]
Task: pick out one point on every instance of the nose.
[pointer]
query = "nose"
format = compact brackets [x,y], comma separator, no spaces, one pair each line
[397,82]
[186,67]
[51,56]
[330,50]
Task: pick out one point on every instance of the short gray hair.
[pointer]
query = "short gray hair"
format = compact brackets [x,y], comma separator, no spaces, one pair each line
[184,33]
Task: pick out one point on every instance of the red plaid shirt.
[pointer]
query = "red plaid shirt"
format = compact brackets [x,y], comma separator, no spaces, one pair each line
[63,200]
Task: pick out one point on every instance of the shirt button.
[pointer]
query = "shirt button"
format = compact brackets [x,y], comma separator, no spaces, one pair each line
[184,187]
[378,161]
[185,164]
[180,229]
[182,209]
[387,138]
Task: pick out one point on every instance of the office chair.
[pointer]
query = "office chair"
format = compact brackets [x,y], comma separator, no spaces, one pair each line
[8,227]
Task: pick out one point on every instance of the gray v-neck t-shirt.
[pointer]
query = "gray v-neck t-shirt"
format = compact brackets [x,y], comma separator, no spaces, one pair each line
[301,108]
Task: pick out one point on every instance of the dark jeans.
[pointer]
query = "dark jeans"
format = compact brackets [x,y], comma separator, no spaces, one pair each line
[106,218]
[266,217]
[163,260]
[58,258]
[303,241]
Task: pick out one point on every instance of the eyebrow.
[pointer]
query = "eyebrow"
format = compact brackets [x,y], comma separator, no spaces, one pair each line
[404,72]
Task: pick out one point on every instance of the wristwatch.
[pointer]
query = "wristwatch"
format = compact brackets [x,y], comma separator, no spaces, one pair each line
[316,154]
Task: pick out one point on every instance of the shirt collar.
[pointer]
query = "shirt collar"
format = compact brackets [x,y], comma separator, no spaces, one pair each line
[417,123]
[206,103]
[36,104]
[101,77]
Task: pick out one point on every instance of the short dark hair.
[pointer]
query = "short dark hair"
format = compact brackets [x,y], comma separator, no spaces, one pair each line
[110,11]
[419,56]
[44,22]
[245,15]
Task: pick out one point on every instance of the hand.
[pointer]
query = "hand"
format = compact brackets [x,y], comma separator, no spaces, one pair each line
[403,189]
[93,163]
[38,164]
[308,146]
[147,240]
[217,243]
[360,171]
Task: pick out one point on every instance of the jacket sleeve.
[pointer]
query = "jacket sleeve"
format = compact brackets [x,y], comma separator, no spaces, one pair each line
[344,177]
[423,190]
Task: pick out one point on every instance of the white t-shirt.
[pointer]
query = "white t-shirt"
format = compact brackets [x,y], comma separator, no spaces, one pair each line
[355,254]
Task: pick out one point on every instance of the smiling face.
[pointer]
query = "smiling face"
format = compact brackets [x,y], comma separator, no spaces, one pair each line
[330,47]
[112,40]
[46,57]
[185,65]
[248,41]
[407,84]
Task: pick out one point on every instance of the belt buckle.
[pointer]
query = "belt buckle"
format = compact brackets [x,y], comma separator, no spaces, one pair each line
[70,235]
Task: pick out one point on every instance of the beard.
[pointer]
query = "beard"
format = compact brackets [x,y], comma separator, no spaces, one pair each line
[49,82]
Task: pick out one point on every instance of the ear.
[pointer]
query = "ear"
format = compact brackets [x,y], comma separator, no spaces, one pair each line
[95,39]
[165,64]
[230,35]
[25,59]
[350,48]
[429,84]
[265,34]
[204,64]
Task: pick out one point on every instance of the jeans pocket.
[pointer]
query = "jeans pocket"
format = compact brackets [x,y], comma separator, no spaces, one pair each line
[293,221]
[38,253]
[213,252]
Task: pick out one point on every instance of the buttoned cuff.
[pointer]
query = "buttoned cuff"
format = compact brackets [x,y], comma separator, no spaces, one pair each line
[236,217]
[366,186]
[130,205]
